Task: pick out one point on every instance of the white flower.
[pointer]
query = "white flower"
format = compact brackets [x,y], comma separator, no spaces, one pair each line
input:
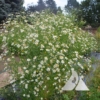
[24,95]
[55,78]
[36,88]
[79,64]
[66,58]
[4,38]
[12,35]
[54,37]
[50,44]
[48,78]
[48,69]
[56,65]
[57,46]
[57,61]
[63,69]
[62,61]
[22,76]
[28,60]
[12,81]
[0,58]
[31,15]
[41,98]
[42,62]
[36,80]
[76,53]
[70,62]
[51,61]
[53,71]
[54,83]
[34,58]
[21,30]
[34,66]
[26,71]
[26,86]
[36,42]
[8,59]
[75,59]
[57,69]
[40,66]
[42,46]
[18,45]
[45,58]
[34,93]
[36,35]
[21,82]
[47,50]
[61,57]
[28,95]
[14,89]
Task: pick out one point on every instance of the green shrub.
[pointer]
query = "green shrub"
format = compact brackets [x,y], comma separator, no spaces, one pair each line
[89,11]
[47,49]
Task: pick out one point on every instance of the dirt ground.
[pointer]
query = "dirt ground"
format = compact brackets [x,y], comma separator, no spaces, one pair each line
[4,76]
[1,66]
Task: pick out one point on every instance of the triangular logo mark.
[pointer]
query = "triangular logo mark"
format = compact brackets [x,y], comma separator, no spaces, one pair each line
[73,81]
[81,86]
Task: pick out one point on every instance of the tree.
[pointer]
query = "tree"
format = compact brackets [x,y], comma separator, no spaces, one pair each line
[8,6]
[4,8]
[49,4]
[71,5]
[31,8]
[16,5]
[90,12]
[41,6]
[59,9]
[52,6]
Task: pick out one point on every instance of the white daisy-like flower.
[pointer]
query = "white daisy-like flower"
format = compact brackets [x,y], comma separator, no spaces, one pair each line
[28,60]
[26,86]
[48,69]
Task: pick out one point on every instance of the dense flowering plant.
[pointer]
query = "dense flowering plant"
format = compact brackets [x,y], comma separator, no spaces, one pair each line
[47,50]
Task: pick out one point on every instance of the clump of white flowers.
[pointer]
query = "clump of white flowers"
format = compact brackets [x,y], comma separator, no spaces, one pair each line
[47,49]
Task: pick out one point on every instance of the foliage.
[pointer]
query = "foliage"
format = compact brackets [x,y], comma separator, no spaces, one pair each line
[6,93]
[94,86]
[59,9]
[72,8]
[90,12]
[74,18]
[3,10]
[47,50]
[97,36]
[7,6]
[72,4]
[15,5]
[41,6]
[31,8]
[0,41]
[49,4]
